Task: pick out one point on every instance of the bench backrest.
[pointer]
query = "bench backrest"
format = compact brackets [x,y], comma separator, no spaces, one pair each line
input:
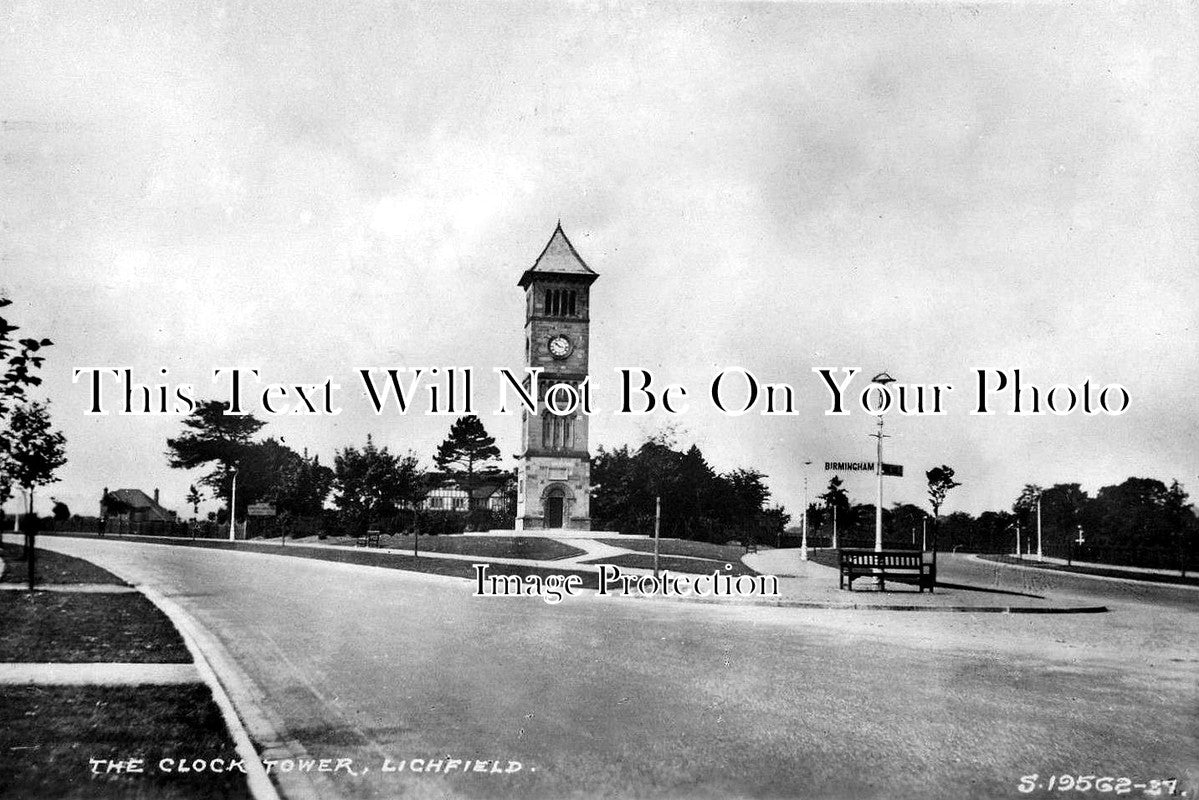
[884,558]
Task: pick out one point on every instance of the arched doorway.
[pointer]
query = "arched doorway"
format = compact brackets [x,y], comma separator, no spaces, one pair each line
[555,504]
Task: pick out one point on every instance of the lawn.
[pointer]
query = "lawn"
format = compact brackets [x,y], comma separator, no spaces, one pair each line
[537,548]
[52,567]
[682,547]
[49,733]
[693,566]
[78,628]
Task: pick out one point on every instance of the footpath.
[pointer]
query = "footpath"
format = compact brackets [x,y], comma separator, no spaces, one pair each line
[813,584]
[101,692]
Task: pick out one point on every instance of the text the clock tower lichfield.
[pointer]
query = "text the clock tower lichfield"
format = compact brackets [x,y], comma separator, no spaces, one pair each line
[554,465]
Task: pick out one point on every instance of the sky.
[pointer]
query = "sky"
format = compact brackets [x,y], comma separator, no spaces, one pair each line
[309,189]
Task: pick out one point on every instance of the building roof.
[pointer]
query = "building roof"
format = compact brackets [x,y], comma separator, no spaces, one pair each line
[559,258]
[486,483]
[136,500]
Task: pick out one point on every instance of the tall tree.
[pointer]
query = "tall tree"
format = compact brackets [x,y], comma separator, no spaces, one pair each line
[213,437]
[1026,503]
[467,448]
[304,486]
[940,481]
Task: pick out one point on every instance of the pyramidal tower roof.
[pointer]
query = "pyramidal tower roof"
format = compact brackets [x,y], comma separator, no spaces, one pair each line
[559,258]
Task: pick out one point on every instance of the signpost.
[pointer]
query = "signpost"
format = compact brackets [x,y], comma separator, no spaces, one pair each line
[887,471]
[262,510]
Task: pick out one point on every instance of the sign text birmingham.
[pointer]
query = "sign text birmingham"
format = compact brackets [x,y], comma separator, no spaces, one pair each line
[893,470]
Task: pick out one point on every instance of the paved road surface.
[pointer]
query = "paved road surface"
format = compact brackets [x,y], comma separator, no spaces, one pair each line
[632,698]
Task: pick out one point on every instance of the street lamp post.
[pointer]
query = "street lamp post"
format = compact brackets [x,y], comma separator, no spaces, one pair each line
[232,507]
[803,548]
[1040,552]
[882,379]
[657,528]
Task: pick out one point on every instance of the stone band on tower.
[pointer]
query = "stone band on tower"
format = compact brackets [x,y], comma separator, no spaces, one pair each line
[554,464]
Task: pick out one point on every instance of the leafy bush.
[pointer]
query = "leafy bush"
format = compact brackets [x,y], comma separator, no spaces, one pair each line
[437,523]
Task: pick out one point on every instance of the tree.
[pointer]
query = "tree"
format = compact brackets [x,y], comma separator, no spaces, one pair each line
[60,510]
[304,487]
[748,489]
[697,503]
[940,481]
[214,437]
[1183,524]
[370,481]
[467,447]
[907,522]
[1026,503]
[18,361]
[1062,507]
[33,451]
[836,500]
[194,498]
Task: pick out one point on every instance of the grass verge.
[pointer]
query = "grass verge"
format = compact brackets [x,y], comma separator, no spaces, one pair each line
[681,547]
[50,567]
[1114,572]
[690,566]
[49,733]
[464,544]
[80,628]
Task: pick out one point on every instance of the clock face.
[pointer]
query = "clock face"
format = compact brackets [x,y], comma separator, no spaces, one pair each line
[560,346]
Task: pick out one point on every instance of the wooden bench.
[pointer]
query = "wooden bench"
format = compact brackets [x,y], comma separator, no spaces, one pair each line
[884,564]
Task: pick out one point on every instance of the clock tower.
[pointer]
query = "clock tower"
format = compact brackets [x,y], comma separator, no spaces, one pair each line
[554,465]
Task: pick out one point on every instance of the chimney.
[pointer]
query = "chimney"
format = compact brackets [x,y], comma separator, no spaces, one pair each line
[155,497]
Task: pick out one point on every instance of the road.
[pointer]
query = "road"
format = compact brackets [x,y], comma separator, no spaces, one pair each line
[636,698]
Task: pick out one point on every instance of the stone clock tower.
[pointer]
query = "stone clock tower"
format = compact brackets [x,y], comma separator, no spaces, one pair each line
[553,465]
